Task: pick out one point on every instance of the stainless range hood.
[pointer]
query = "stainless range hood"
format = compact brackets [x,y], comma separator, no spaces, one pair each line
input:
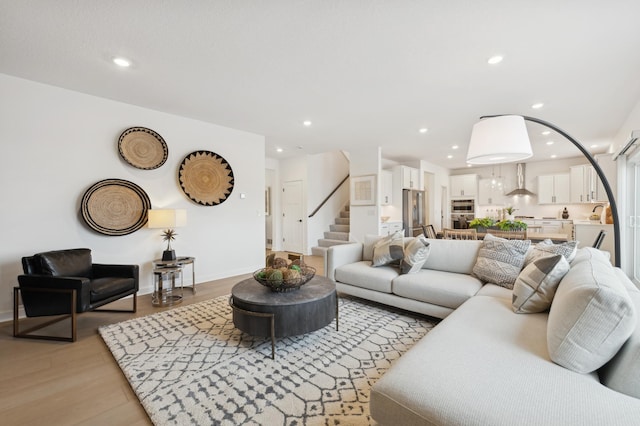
[520,190]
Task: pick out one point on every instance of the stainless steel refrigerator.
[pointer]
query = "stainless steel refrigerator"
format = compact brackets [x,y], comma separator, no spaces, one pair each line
[412,212]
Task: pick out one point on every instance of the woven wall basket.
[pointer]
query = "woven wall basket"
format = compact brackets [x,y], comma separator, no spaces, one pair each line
[206,178]
[143,148]
[115,207]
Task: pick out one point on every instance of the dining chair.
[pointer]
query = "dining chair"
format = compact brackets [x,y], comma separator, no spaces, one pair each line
[460,234]
[429,231]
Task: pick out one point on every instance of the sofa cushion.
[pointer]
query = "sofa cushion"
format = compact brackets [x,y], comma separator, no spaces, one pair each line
[500,260]
[388,249]
[104,288]
[622,373]
[66,263]
[415,254]
[537,283]
[548,248]
[361,274]
[370,240]
[452,255]
[441,288]
[485,365]
[591,254]
[591,317]
[493,290]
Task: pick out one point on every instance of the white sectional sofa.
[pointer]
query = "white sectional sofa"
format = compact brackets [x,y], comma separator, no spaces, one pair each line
[483,364]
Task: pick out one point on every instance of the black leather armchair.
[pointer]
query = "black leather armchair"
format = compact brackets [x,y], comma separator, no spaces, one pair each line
[66,282]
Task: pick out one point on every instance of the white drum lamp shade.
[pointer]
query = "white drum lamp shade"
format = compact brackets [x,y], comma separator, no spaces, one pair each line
[501,139]
[167,219]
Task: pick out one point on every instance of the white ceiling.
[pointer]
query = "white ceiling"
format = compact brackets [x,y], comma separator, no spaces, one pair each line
[365,72]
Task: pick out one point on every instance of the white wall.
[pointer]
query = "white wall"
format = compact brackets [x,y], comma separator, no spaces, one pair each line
[57,143]
[365,219]
[325,172]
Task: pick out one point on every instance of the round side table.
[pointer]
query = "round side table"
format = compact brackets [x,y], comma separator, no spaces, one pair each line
[165,292]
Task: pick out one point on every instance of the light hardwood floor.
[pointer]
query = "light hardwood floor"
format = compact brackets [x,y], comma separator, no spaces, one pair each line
[55,383]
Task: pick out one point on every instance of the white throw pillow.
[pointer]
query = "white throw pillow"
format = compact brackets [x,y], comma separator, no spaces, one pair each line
[500,260]
[590,319]
[537,283]
[388,249]
[548,248]
[415,254]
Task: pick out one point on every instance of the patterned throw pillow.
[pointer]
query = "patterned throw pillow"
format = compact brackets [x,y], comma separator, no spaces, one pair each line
[537,283]
[388,249]
[500,260]
[548,248]
[415,254]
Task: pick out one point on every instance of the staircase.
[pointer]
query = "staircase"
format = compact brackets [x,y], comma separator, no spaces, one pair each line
[338,234]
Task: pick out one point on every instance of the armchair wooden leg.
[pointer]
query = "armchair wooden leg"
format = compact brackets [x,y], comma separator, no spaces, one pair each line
[26,334]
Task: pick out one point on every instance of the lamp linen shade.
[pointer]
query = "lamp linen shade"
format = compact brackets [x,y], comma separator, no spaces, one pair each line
[499,139]
[167,218]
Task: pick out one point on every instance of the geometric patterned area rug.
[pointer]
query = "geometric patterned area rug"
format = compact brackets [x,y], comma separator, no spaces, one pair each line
[190,365]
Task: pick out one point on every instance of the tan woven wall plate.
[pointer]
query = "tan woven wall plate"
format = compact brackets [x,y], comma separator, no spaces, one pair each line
[115,207]
[206,178]
[143,148]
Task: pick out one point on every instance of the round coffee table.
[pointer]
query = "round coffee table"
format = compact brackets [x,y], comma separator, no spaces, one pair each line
[258,311]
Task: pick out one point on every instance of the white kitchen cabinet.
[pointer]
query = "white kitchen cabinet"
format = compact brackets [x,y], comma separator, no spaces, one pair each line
[464,185]
[389,228]
[584,181]
[554,189]
[490,193]
[386,187]
[409,177]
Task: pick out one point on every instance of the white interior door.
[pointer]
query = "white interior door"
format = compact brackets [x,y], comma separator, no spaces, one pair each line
[292,216]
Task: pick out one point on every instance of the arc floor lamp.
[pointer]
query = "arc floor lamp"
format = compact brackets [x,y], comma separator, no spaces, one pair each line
[504,138]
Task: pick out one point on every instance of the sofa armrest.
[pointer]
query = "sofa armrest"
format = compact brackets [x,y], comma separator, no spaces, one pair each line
[43,303]
[342,254]
[123,271]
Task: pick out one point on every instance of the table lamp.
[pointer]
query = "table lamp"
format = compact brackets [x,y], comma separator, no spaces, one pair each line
[167,219]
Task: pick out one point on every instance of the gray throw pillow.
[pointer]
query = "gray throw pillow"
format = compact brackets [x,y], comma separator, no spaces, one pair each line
[548,248]
[537,283]
[388,249]
[500,260]
[415,254]
[591,317]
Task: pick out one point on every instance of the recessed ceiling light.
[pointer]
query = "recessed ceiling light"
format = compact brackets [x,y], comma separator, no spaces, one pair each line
[546,132]
[122,62]
[449,156]
[553,156]
[537,105]
[423,130]
[454,147]
[594,145]
[495,60]
[279,150]
[469,165]
[549,142]
[307,123]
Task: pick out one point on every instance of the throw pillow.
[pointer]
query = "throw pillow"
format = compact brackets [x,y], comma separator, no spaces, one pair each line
[388,249]
[500,260]
[537,283]
[415,254]
[548,248]
[591,317]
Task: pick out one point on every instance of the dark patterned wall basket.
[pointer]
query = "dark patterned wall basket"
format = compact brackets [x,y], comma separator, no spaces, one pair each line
[143,148]
[115,207]
[206,178]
